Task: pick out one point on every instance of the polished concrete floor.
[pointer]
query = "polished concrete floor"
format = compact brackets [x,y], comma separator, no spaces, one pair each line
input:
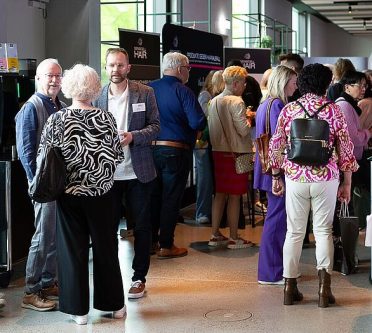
[212,290]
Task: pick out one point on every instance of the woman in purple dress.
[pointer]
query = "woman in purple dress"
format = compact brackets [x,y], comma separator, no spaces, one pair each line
[281,85]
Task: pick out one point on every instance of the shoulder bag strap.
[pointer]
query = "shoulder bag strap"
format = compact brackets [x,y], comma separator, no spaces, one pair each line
[267,122]
[223,129]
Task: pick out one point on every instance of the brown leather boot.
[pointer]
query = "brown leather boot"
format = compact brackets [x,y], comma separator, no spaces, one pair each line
[325,293]
[291,293]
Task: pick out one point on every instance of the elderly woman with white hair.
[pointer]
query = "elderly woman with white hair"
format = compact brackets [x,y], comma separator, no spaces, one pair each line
[91,149]
[229,133]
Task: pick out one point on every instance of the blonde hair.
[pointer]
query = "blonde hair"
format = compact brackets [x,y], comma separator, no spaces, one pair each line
[81,82]
[234,73]
[278,79]
[208,86]
[217,83]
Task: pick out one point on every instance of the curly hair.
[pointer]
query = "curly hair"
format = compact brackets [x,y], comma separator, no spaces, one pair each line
[81,82]
[314,78]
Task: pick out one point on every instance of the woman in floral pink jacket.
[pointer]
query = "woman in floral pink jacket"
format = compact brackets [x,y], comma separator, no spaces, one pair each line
[309,186]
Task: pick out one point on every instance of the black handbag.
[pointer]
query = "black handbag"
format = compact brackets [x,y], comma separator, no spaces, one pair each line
[309,140]
[349,226]
[49,181]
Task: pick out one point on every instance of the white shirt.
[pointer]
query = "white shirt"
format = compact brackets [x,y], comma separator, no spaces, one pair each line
[118,106]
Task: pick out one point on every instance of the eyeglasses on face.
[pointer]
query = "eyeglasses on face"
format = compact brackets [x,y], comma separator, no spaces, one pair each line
[188,67]
[361,86]
[50,76]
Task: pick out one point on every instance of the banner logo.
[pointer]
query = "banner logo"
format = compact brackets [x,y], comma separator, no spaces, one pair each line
[139,52]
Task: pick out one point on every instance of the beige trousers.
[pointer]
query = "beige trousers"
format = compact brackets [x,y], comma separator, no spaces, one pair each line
[301,198]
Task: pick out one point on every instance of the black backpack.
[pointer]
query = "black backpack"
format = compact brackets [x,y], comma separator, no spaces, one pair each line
[309,140]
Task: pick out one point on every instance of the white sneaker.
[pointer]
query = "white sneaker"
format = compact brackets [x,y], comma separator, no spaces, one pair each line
[119,314]
[202,220]
[2,300]
[80,320]
[280,282]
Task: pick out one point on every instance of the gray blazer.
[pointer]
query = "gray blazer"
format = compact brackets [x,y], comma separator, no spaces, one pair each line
[143,125]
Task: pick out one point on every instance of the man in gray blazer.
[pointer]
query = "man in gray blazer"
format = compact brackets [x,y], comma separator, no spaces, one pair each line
[134,108]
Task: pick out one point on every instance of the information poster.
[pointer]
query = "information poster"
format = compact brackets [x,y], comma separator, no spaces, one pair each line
[255,61]
[204,50]
[144,54]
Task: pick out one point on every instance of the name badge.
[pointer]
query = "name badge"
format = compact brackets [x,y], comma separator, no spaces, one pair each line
[139,107]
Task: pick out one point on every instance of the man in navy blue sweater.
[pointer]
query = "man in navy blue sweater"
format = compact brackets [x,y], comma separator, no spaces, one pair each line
[181,117]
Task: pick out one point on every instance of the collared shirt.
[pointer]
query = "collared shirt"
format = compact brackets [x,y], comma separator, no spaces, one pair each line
[181,115]
[342,158]
[27,129]
[118,106]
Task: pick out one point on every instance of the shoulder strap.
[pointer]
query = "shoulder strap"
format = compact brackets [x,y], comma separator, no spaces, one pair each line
[315,115]
[267,122]
[223,129]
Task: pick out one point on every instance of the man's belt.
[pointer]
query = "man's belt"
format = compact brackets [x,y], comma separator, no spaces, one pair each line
[174,144]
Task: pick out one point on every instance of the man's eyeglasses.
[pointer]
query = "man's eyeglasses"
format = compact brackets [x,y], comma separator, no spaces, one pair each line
[187,67]
[361,86]
[51,76]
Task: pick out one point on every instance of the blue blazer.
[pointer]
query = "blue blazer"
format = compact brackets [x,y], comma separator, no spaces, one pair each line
[144,126]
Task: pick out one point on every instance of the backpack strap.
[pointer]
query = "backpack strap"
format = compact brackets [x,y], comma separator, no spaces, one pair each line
[315,115]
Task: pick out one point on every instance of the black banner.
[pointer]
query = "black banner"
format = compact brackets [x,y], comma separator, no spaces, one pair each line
[144,54]
[204,50]
[255,61]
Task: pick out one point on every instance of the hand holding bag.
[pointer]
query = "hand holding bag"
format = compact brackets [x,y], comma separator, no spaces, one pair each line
[349,226]
[49,181]
[243,161]
[262,142]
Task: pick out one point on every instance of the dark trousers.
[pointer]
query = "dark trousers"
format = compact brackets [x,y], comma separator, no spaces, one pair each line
[78,219]
[137,201]
[173,166]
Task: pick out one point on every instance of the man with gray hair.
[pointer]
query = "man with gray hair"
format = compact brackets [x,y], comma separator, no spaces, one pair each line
[41,286]
[181,117]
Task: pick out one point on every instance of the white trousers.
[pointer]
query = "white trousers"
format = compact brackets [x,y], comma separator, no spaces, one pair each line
[300,198]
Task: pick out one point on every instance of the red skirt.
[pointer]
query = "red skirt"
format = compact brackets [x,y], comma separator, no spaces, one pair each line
[226,179]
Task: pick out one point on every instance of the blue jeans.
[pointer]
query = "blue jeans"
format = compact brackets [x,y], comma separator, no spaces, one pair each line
[204,183]
[173,166]
[41,266]
[137,201]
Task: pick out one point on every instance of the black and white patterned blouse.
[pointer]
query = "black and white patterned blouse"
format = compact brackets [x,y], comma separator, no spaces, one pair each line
[90,146]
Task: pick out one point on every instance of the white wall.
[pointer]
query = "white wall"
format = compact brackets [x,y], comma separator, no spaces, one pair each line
[326,39]
[197,10]
[23,25]
[73,32]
